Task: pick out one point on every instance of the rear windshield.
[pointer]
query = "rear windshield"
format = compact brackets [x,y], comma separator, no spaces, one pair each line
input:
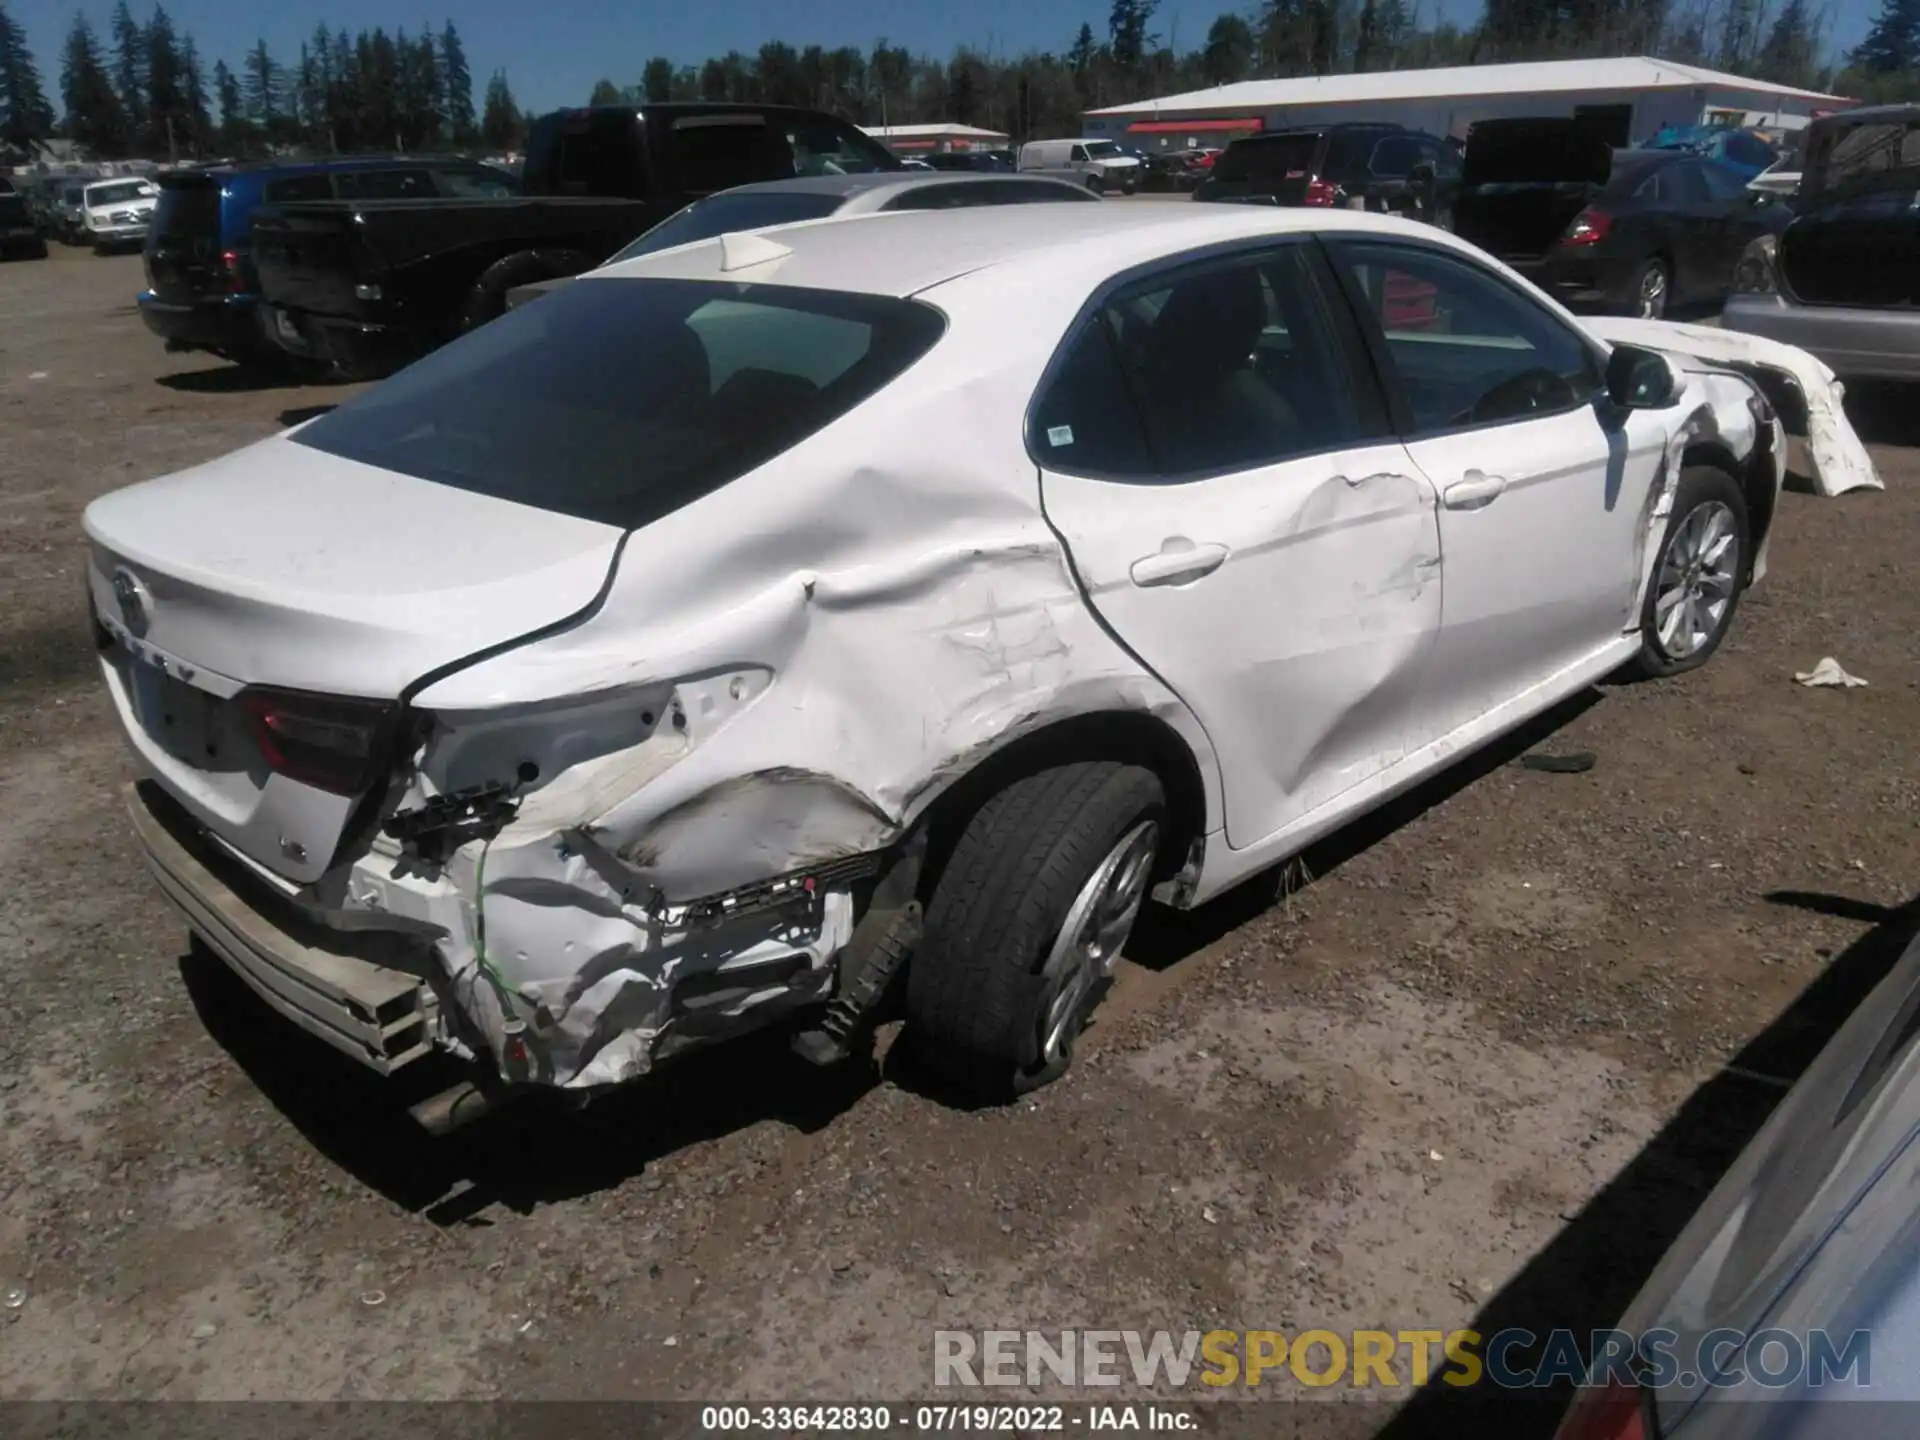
[189,209]
[1864,157]
[119,194]
[1269,160]
[718,214]
[621,400]
[704,153]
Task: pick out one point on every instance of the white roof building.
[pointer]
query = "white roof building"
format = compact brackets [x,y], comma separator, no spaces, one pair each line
[1642,92]
[943,136]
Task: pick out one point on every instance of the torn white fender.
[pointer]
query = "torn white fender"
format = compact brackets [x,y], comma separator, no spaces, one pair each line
[1834,456]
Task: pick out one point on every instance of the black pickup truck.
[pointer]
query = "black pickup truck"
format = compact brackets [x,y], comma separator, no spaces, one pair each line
[366,286]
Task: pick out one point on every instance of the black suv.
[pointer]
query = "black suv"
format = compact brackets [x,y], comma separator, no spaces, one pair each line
[1381,167]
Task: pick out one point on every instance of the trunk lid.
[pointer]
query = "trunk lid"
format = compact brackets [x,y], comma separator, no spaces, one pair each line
[183,244]
[330,575]
[247,658]
[1522,182]
[1857,238]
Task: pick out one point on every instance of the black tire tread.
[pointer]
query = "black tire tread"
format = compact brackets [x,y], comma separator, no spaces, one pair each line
[995,910]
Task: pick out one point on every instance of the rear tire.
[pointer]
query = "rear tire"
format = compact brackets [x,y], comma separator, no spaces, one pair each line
[1648,291]
[488,298]
[1698,577]
[1026,921]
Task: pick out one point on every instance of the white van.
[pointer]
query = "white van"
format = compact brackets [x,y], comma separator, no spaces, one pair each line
[1100,165]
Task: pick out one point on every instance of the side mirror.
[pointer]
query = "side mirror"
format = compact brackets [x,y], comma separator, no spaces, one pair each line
[1641,379]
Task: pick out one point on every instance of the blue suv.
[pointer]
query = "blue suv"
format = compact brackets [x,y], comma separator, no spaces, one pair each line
[201,290]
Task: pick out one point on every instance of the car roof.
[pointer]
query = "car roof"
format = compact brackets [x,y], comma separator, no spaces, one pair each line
[900,253]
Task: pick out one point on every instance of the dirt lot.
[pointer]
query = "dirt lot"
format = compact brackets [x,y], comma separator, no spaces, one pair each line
[1471,1062]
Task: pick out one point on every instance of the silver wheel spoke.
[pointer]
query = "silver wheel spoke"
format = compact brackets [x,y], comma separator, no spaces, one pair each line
[1091,937]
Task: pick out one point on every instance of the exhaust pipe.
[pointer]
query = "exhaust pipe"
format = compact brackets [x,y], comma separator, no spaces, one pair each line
[455,1108]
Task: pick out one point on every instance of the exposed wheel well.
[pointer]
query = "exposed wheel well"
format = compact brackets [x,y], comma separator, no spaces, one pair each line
[1756,484]
[1125,736]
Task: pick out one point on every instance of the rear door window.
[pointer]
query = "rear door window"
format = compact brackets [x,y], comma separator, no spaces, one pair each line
[406,184]
[293,188]
[1723,185]
[1684,184]
[1230,365]
[630,398]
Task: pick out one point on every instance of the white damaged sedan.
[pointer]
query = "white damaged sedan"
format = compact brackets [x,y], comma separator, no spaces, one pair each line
[747,624]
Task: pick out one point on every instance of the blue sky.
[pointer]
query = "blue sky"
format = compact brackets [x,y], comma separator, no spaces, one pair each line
[554,50]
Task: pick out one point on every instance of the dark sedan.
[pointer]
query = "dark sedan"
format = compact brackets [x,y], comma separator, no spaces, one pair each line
[1632,232]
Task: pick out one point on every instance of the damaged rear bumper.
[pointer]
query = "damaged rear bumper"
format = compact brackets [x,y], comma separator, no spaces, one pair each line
[353,991]
[551,979]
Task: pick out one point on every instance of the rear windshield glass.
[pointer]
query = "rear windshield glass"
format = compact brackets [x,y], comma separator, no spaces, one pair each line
[1267,160]
[1866,157]
[119,194]
[192,209]
[621,400]
[705,153]
[719,214]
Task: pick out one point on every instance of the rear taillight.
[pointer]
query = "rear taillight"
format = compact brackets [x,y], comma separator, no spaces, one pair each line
[1615,1411]
[1589,227]
[325,741]
[234,264]
[1319,192]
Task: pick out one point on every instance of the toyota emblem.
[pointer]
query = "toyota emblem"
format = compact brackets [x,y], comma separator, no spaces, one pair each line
[132,598]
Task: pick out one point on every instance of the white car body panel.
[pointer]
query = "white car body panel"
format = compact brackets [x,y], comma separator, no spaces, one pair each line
[1835,459]
[1322,604]
[789,671]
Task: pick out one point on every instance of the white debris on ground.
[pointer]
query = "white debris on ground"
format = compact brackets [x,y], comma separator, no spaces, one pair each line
[1829,673]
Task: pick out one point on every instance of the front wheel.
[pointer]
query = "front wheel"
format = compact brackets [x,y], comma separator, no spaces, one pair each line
[1697,580]
[1026,922]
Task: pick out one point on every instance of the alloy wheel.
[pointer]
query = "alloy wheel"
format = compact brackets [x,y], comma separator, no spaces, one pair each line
[1696,581]
[1090,939]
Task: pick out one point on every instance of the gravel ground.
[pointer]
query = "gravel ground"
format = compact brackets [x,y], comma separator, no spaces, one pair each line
[1466,1063]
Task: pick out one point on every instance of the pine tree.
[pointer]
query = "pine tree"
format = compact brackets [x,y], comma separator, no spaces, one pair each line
[129,63]
[1127,36]
[500,119]
[166,95]
[1892,44]
[193,91]
[234,131]
[456,81]
[25,115]
[1228,55]
[433,100]
[1790,52]
[605,92]
[656,81]
[262,89]
[94,116]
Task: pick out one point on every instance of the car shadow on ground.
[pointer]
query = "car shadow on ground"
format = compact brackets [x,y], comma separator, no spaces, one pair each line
[543,1150]
[232,380]
[1592,1269]
[1164,937]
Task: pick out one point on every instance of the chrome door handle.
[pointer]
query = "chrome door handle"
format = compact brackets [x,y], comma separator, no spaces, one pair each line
[1178,566]
[1474,490]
